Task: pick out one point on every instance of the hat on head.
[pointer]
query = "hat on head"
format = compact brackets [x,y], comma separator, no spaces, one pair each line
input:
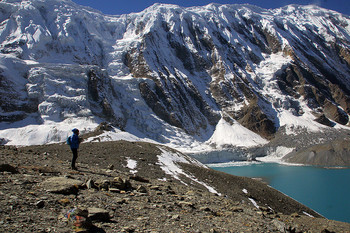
[75,130]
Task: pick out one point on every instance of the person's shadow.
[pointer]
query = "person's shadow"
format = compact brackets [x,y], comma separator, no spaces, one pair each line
[95,229]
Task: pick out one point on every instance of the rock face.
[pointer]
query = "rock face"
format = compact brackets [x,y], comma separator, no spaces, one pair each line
[169,68]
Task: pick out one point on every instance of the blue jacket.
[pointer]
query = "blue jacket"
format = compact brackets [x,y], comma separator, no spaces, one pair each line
[74,141]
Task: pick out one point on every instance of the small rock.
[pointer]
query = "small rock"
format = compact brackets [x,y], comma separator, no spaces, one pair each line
[105,184]
[8,168]
[90,184]
[141,189]
[184,203]
[172,192]
[121,200]
[295,215]
[122,184]
[142,218]
[327,231]
[128,185]
[98,214]
[155,187]
[62,185]
[169,190]
[265,209]
[64,201]
[40,204]
[203,208]
[237,209]
[139,178]
[128,229]
[190,193]
[279,225]
[114,190]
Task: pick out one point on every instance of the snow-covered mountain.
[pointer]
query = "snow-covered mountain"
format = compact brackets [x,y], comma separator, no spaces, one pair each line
[191,78]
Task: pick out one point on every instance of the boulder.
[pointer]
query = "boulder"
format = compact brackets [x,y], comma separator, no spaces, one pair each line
[122,184]
[62,185]
[324,121]
[8,168]
[141,189]
[40,204]
[139,178]
[103,184]
[90,184]
[98,214]
[281,226]
[118,183]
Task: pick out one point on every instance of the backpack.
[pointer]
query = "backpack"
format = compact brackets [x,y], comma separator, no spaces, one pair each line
[69,140]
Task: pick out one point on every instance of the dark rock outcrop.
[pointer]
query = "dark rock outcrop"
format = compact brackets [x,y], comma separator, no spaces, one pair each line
[324,121]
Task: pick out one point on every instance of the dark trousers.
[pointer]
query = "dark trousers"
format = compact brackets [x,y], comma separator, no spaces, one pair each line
[75,156]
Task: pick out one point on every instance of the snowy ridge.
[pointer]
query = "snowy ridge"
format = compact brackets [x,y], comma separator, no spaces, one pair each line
[196,79]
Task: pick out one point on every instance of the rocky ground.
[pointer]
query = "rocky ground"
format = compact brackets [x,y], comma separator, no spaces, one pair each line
[37,188]
[331,154]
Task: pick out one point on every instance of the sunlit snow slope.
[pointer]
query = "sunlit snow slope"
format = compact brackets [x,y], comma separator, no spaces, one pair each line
[189,77]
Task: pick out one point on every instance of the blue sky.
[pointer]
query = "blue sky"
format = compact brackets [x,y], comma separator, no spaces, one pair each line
[117,7]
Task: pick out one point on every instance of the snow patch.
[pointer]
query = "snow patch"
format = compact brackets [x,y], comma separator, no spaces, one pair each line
[254,202]
[168,163]
[131,164]
[245,191]
[276,155]
[49,132]
[235,135]
[307,214]
[232,164]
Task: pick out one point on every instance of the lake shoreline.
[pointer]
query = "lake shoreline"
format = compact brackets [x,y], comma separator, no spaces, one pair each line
[323,189]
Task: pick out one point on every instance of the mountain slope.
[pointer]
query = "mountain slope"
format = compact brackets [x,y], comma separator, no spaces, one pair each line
[179,76]
[166,191]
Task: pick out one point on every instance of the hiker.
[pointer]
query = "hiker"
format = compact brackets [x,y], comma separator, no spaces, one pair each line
[74,141]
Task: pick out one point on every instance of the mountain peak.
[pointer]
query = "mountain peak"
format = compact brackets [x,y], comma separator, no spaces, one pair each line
[161,7]
[179,76]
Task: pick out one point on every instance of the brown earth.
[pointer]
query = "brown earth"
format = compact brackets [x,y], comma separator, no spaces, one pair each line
[149,201]
[331,154]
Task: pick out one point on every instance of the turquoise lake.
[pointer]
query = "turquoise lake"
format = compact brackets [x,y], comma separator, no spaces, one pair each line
[326,191]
